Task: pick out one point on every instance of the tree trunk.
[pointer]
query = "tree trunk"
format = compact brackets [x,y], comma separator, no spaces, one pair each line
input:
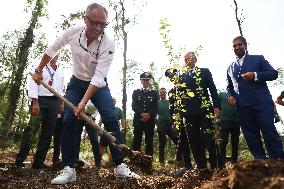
[239,21]
[124,92]
[124,84]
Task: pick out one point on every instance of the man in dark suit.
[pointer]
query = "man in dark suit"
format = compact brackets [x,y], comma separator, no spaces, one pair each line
[247,89]
[199,111]
[145,107]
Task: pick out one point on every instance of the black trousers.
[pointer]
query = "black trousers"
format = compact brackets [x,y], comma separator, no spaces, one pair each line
[163,132]
[201,136]
[146,127]
[57,139]
[229,128]
[93,138]
[28,138]
[184,147]
[49,107]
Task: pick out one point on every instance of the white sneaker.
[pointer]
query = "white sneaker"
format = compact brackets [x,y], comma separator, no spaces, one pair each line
[68,174]
[123,171]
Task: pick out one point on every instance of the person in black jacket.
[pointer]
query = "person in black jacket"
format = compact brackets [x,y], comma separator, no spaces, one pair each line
[145,107]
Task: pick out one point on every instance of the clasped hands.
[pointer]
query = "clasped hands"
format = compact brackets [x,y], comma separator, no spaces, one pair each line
[145,117]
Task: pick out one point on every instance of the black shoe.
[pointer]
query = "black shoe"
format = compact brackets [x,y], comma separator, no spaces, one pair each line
[36,165]
[19,164]
[98,164]
[57,165]
[79,164]
[181,172]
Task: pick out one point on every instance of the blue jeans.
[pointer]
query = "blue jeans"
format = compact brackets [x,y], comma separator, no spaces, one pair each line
[93,137]
[103,101]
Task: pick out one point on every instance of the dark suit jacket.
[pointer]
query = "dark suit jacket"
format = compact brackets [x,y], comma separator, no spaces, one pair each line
[251,92]
[145,102]
[193,105]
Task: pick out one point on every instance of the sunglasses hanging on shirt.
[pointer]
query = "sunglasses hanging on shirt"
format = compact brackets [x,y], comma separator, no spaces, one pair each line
[85,49]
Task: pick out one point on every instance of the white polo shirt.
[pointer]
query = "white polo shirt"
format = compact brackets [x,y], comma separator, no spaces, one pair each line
[35,90]
[86,66]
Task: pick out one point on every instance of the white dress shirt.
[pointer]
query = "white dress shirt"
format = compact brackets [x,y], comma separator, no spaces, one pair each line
[86,66]
[35,90]
[240,61]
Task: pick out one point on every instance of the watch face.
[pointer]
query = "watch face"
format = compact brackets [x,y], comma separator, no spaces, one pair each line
[38,70]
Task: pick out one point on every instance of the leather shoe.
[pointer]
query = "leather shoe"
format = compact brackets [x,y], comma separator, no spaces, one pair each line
[39,166]
[181,172]
[19,164]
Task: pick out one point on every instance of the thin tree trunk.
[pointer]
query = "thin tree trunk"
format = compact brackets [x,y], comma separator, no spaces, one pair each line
[124,92]
[237,18]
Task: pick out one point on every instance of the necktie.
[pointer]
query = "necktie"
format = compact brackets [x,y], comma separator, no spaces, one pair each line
[191,73]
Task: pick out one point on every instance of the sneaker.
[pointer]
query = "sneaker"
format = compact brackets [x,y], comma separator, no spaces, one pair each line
[123,171]
[68,174]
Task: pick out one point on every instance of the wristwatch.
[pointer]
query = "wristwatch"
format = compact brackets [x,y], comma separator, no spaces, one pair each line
[38,70]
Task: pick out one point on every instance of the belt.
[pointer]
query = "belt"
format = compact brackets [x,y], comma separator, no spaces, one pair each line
[76,79]
[48,97]
[87,82]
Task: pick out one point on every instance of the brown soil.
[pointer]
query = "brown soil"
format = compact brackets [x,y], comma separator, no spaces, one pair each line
[245,175]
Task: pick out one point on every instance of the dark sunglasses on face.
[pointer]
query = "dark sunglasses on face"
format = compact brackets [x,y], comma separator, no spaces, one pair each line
[97,23]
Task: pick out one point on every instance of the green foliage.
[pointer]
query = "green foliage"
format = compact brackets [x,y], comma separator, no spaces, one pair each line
[155,77]
[133,67]
[280,80]
[66,22]
[18,62]
[244,153]
[8,46]
[39,47]
[182,92]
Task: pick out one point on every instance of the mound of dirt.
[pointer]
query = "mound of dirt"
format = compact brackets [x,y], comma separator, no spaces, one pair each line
[245,175]
[258,174]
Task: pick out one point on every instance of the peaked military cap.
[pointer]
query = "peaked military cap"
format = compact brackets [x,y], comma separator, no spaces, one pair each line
[145,75]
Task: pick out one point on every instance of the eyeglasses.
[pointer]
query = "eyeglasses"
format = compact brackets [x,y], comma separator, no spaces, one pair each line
[97,23]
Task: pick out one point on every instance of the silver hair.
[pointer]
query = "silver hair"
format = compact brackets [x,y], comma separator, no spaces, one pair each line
[93,6]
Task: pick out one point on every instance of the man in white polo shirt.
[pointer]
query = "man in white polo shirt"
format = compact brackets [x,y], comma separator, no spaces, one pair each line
[44,110]
[92,55]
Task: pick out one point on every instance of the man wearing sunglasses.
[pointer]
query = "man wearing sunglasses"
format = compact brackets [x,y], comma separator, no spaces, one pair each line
[92,55]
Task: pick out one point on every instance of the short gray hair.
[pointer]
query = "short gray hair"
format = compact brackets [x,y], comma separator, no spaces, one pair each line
[93,6]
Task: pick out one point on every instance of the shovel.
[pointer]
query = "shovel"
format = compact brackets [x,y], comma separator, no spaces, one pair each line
[138,159]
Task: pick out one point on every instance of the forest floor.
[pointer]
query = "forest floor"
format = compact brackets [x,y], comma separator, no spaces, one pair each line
[244,175]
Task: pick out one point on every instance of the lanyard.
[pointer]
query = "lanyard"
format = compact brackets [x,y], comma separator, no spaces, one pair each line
[50,73]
